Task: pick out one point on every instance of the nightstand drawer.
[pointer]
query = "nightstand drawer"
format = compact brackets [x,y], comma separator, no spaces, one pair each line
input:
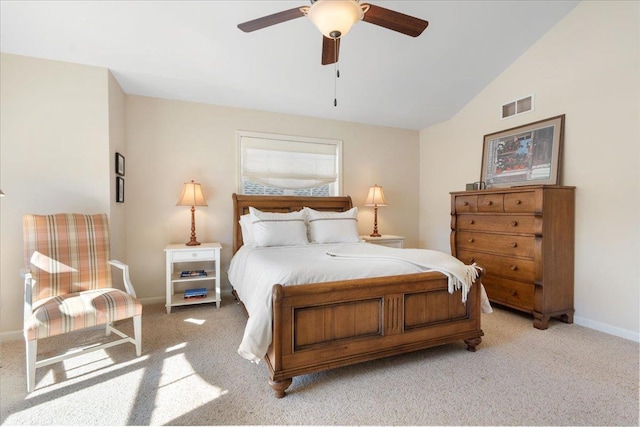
[178,256]
[385,240]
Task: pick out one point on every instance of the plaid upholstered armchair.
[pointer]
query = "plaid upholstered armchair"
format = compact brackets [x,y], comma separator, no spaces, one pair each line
[68,285]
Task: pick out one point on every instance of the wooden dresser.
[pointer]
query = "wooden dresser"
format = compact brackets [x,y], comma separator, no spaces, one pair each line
[524,239]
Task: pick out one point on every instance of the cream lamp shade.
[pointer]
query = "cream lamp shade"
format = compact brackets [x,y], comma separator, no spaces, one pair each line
[192,196]
[375,198]
[334,18]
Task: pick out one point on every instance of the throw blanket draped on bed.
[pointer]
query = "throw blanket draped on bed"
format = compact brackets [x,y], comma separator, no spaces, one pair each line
[460,276]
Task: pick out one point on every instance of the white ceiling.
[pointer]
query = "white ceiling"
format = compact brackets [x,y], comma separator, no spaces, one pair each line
[193,51]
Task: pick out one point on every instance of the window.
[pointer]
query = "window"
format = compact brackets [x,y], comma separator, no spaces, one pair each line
[289,165]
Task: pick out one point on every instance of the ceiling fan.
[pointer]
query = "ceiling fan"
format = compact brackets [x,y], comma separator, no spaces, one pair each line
[334,19]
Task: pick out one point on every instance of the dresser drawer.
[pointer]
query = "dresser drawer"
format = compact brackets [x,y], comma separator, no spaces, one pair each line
[466,203]
[525,202]
[503,266]
[178,256]
[509,292]
[491,203]
[521,224]
[511,245]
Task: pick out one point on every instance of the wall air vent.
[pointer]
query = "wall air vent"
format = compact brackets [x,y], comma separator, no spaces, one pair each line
[521,106]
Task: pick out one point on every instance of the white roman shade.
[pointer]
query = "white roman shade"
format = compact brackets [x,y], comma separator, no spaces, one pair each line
[289,164]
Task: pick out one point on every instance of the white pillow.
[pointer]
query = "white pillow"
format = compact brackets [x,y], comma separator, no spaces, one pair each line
[246,226]
[333,227]
[278,229]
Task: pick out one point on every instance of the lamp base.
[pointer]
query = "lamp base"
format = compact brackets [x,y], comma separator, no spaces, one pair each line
[375,235]
[192,243]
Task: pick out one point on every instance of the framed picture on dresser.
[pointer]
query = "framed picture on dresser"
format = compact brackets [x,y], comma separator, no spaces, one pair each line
[524,155]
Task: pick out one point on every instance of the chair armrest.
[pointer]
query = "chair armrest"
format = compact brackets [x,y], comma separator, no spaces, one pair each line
[25,273]
[125,276]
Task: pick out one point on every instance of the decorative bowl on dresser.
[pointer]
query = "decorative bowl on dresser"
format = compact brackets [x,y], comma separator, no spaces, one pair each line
[524,238]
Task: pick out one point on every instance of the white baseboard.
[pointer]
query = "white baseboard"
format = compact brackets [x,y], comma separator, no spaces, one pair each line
[611,330]
[11,336]
[152,300]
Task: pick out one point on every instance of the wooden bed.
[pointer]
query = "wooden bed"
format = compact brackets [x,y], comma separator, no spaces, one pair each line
[321,326]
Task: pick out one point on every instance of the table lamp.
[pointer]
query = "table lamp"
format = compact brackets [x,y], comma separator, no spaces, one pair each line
[375,199]
[192,196]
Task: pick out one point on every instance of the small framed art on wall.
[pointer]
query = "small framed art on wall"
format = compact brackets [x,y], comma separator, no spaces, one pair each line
[119,164]
[119,189]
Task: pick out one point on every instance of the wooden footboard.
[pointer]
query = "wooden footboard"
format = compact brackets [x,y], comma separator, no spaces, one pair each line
[327,325]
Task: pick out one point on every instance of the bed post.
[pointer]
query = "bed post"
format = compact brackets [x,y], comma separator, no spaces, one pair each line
[275,356]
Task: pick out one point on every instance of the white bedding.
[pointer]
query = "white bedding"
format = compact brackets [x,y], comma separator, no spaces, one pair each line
[254,270]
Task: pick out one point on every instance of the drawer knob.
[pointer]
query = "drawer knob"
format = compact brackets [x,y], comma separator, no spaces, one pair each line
[472,260]
[518,202]
[470,240]
[195,254]
[472,222]
[514,267]
[514,293]
[514,245]
[490,202]
[514,223]
[466,204]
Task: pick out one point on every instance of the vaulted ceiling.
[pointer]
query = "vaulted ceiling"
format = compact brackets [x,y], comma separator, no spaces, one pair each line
[193,51]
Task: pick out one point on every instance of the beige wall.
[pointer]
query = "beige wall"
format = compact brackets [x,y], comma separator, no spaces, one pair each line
[586,67]
[54,155]
[171,142]
[117,144]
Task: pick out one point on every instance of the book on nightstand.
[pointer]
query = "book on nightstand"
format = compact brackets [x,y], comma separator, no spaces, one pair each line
[195,293]
[193,273]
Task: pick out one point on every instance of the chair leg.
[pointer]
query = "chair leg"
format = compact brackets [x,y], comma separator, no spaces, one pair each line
[107,329]
[32,352]
[137,331]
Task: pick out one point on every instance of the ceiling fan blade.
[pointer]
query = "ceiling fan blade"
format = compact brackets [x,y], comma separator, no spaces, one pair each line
[269,20]
[395,21]
[330,51]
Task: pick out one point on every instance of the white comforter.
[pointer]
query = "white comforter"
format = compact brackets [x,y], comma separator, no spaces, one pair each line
[254,270]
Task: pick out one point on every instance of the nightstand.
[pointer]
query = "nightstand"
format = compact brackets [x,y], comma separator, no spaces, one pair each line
[385,240]
[204,260]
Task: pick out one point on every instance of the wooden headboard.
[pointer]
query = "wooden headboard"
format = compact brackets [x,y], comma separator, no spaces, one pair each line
[241,203]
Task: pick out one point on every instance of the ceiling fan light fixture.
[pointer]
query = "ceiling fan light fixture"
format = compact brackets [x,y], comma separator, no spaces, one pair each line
[334,18]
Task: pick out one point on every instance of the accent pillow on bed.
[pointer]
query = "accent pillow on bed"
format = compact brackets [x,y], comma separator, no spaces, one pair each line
[278,229]
[333,227]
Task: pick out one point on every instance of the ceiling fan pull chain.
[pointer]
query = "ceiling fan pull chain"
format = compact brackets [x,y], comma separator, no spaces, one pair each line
[337,72]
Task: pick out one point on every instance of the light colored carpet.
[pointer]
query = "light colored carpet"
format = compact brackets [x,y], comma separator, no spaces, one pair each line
[190,374]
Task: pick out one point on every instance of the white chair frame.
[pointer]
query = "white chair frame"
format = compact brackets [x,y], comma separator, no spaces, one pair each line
[32,346]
